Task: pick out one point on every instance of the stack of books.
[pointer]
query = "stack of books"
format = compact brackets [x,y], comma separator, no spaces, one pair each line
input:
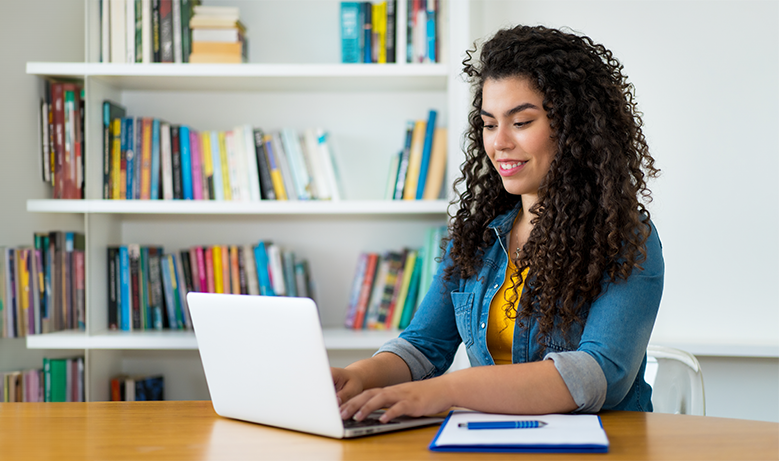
[21,386]
[147,288]
[145,31]
[42,286]
[149,159]
[417,171]
[125,388]
[388,287]
[218,36]
[389,31]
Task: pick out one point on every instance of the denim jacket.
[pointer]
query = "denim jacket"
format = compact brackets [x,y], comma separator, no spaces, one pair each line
[602,362]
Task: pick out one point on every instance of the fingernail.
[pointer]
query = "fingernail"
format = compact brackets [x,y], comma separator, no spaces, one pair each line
[358,415]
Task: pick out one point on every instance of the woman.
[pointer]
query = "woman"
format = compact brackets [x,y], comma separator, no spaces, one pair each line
[553,270]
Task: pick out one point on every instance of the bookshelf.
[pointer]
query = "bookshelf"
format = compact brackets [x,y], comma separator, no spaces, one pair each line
[363,106]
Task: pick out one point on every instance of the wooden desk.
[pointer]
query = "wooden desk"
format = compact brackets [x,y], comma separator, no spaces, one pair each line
[192,431]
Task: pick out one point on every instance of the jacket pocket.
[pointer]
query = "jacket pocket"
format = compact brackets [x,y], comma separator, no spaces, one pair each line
[463,308]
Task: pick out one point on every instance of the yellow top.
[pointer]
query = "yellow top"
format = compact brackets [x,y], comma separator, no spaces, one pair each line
[500,328]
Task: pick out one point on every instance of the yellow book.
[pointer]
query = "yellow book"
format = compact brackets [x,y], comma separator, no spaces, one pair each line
[379,20]
[23,256]
[414,160]
[225,167]
[116,160]
[218,275]
[208,166]
[437,168]
[408,269]
[275,172]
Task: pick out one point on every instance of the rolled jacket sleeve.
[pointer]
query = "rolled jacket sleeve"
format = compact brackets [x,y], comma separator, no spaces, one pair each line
[583,377]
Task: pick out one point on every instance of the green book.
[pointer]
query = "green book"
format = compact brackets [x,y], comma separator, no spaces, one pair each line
[58,382]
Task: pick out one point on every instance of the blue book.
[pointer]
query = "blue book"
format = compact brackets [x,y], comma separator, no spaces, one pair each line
[155,159]
[431,32]
[350,32]
[125,299]
[261,263]
[367,27]
[429,132]
[216,160]
[186,162]
[128,140]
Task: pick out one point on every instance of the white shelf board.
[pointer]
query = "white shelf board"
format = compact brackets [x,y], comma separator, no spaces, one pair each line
[335,339]
[253,77]
[266,207]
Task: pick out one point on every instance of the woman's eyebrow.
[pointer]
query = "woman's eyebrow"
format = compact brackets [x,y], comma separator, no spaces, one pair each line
[513,110]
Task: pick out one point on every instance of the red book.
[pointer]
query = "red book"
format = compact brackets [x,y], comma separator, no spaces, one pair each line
[365,292]
[201,269]
[197,168]
[209,260]
[194,269]
[58,101]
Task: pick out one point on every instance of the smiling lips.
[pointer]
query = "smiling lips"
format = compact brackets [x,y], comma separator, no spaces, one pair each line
[509,167]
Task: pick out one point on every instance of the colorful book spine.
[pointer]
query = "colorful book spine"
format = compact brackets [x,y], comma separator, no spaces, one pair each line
[216,165]
[154,186]
[125,299]
[426,149]
[186,163]
[197,165]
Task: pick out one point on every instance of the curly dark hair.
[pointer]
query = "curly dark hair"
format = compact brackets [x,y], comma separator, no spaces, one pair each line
[589,221]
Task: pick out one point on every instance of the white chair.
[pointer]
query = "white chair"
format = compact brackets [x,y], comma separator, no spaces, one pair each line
[676,380]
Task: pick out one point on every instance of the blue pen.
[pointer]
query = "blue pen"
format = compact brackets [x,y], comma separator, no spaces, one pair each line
[503,425]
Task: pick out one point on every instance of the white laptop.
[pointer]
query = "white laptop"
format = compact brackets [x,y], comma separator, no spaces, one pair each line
[265,362]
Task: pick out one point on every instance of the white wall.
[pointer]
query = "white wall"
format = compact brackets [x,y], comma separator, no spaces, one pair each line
[707,80]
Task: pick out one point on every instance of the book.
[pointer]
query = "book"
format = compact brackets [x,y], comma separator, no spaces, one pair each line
[176,17]
[111,111]
[169,293]
[166,159]
[297,164]
[145,157]
[267,192]
[561,433]
[146,32]
[280,191]
[395,262]
[134,255]
[365,290]
[166,31]
[303,283]
[427,146]
[437,168]
[118,35]
[156,296]
[350,32]
[197,165]
[128,147]
[250,267]
[400,182]
[393,321]
[330,164]
[208,256]
[186,163]
[282,161]
[354,293]
[175,156]
[412,296]
[414,160]
[217,167]
[392,176]
[263,273]
[275,268]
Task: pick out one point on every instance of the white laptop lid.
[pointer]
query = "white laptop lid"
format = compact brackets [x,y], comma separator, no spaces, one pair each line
[265,361]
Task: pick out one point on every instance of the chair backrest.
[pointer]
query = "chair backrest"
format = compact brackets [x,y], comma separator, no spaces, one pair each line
[676,380]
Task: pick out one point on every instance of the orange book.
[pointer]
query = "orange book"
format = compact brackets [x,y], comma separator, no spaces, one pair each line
[228,288]
[235,275]
[145,158]
[208,256]
[437,169]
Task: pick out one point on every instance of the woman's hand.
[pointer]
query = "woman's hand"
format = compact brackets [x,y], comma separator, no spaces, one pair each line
[417,398]
[348,383]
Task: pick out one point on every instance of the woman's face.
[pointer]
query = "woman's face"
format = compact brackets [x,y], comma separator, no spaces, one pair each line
[517,135]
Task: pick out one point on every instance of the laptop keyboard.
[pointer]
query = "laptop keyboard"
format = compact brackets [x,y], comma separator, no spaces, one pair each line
[369,421]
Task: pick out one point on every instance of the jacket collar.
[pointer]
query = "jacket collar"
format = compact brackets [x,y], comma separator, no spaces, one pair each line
[504,222]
